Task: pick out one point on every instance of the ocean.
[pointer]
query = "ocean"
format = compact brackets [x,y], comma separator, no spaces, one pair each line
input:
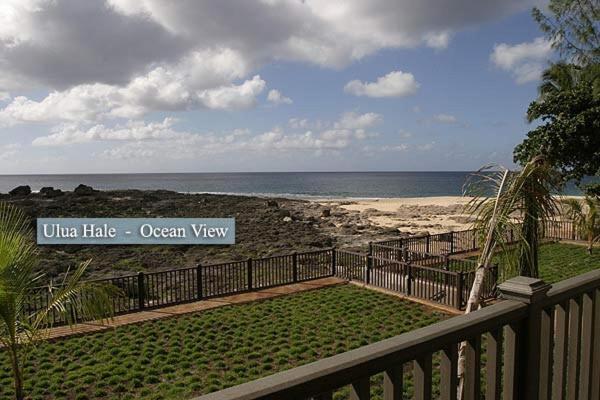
[283,184]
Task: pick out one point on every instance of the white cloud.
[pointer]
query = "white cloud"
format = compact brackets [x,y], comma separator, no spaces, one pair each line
[352,120]
[426,146]
[232,96]
[525,61]
[101,59]
[72,133]
[159,90]
[63,43]
[437,40]
[305,123]
[9,151]
[394,84]
[274,96]
[445,119]
[4,96]
[139,139]
[395,147]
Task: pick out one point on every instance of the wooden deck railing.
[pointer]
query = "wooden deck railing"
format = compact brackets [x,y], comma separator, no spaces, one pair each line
[541,342]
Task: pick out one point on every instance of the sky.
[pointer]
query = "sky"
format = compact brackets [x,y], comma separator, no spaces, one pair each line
[265,85]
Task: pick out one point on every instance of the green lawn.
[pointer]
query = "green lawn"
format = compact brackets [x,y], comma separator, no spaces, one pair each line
[559,261]
[199,353]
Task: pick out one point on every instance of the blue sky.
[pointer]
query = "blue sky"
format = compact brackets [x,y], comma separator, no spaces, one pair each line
[255,94]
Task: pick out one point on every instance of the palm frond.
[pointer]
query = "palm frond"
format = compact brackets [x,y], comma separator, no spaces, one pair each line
[75,299]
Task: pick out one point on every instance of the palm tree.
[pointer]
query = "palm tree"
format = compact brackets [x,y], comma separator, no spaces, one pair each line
[20,330]
[521,203]
[563,77]
[558,77]
[586,218]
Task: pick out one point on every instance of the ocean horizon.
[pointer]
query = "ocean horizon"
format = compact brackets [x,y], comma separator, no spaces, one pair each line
[351,185]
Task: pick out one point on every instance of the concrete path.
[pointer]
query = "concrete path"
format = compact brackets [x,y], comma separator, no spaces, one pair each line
[187,308]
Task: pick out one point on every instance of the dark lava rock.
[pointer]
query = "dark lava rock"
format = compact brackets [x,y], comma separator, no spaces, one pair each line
[326,212]
[50,192]
[21,191]
[272,203]
[285,213]
[83,190]
[260,230]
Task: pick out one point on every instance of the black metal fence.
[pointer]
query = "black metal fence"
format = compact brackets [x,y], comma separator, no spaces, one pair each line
[441,279]
[157,289]
[425,267]
[457,242]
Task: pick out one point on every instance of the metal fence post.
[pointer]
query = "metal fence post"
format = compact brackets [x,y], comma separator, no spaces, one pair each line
[199,281]
[451,242]
[529,340]
[295,266]
[459,290]
[141,292]
[369,264]
[446,268]
[333,262]
[427,243]
[249,268]
[408,279]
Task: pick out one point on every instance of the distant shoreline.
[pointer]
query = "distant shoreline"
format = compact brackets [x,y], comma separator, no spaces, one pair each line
[296,185]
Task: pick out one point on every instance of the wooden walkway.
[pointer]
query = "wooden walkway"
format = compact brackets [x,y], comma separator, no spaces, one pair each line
[187,308]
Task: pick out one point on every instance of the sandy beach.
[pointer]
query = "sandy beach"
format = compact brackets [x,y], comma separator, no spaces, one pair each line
[411,214]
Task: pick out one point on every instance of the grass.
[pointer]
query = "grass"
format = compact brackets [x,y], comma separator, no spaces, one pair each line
[195,354]
[560,261]
[200,353]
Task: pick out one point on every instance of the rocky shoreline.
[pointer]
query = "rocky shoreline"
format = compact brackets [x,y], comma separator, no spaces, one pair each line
[264,227]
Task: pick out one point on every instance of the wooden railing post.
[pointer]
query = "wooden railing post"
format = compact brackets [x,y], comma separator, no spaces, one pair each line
[199,281]
[295,266]
[249,271]
[523,379]
[141,291]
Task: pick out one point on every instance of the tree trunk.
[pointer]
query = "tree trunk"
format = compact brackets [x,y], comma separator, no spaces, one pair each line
[487,252]
[17,373]
[528,258]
